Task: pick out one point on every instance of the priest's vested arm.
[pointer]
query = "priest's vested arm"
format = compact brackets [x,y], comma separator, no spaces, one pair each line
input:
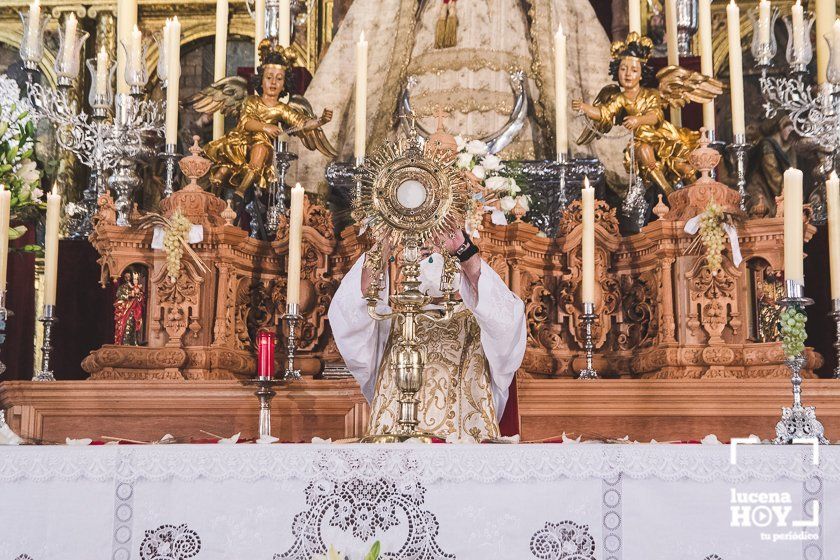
[499,313]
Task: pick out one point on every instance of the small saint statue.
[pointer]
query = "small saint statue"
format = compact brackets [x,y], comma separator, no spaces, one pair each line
[129,309]
[243,157]
[660,149]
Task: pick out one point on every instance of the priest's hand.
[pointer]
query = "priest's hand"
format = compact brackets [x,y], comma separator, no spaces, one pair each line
[457,243]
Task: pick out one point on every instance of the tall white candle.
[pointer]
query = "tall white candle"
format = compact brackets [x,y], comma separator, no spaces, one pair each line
[259,29]
[736,76]
[361,99]
[51,247]
[173,73]
[70,27]
[826,11]
[220,60]
[794,225]
[673,49]
[764,22]
[561,101]
[126,21]
[295,237]
[34,25]
[5,213]
[798,24]
[635,16]
[588,243]
[102,71]
[163,59]
[136,51]
[832,198]
[706,59]
[285,24]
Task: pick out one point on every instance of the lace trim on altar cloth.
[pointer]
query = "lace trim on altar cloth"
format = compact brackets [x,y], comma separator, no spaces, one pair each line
[426,464]
[436,61]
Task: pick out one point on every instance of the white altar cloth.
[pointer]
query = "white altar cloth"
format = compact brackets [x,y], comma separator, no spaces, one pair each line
[560,501]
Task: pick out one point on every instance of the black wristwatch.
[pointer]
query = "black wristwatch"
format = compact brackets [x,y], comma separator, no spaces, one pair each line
[467,249]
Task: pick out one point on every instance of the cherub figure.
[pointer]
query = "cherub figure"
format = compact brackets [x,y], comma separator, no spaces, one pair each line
[243,157]
[661,149]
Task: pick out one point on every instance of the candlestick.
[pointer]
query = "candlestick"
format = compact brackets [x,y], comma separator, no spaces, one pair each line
[259,29]
[126,21]
[292,318]
[265,392]
[170,156]
[48,319]
[173,73]
[797,21]
[561,101]
[706,60]
[4,317]
[825,20]
[285,24]
[51,247]
[265,354]
[361,99]
[634,11]
[5,214]
[736,76]
[588,243]
[102,70]
[739,148]
[793,226]
[220,60]
[295,236]
[588,318]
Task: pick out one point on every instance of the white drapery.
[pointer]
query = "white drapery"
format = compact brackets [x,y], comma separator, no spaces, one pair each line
[580,501]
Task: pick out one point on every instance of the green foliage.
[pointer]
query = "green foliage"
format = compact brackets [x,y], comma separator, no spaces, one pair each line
[374,552]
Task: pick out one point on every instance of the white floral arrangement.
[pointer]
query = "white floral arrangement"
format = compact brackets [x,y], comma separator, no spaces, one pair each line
[499,193]
[18,169]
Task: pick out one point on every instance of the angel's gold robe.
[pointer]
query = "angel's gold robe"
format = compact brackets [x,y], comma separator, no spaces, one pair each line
[231,150]
[671,144]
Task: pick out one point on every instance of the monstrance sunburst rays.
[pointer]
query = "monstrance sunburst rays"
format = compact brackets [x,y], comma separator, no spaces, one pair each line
[408,193]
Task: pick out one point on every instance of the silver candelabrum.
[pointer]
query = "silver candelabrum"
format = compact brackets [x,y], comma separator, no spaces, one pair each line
[797,421]
[292,319]
[588,319]
[48,318]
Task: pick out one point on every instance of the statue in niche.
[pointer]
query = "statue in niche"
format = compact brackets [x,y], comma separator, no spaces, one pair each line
[660,150]
[243,157]
[130,309]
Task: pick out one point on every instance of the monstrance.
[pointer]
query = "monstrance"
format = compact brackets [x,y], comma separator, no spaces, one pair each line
[409,196]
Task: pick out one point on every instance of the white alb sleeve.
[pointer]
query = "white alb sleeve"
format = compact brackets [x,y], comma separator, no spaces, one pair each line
[501,316]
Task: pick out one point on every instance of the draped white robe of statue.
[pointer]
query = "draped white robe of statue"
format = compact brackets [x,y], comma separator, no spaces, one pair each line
[468,81]
[499,313]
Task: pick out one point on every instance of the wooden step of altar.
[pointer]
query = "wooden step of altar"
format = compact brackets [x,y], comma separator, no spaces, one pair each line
[665,410]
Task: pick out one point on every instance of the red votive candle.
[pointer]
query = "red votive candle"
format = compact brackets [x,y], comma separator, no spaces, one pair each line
[265,354]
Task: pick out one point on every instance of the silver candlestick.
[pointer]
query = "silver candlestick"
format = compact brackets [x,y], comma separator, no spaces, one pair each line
[797,421]
[4,316]
[292,318]
[739,148]
[265,392]
[835,314]
[48,318]
[562,163]
[171,156]
[588,319]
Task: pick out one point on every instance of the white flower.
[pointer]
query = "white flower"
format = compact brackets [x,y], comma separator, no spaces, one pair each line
[491,162]
[465,161]
[71,209]
[37,193]
[462,144]
[28,171]
[513,187]
[524,202]
[476,147]
[507,203]
[479,172]
[498,183]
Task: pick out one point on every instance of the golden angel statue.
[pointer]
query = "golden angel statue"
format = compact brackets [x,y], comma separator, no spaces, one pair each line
[243,157]
[660,149]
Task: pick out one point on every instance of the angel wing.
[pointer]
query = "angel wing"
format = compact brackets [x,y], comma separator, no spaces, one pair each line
[679,85]
[591,132]
[312,139]
[226,96]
